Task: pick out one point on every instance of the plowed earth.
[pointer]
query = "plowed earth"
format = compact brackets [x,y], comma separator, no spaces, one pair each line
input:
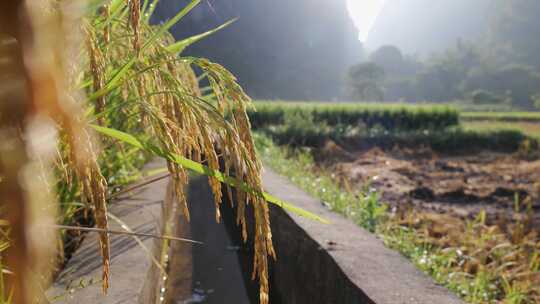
[503,185]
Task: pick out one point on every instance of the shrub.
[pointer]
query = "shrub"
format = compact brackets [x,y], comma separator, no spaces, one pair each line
[536,99]
[481,97]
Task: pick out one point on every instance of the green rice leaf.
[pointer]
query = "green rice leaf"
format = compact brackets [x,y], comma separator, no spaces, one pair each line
[115,5]
[179,46]
[202,169]
[165,27]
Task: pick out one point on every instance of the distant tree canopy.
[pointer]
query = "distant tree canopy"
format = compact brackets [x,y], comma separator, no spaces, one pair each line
[481,97]
[366,82]
[515,31]
[388,57]
[504,66]
[518,83]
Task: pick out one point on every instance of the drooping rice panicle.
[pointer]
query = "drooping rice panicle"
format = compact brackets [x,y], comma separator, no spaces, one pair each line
[124,78]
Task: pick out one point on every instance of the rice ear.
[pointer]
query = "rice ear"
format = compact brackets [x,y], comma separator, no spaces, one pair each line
[135,16]
[105,11]
[96,70]
[93,186]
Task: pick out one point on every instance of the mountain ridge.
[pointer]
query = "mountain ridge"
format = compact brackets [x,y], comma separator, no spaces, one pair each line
[277,49]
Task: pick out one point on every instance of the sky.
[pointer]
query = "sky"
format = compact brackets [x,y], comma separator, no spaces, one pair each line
[364,13]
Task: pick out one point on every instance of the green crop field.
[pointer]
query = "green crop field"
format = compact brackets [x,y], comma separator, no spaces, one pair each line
[501,116]
[389,116]
[528,128]
[437,126]
[526,122]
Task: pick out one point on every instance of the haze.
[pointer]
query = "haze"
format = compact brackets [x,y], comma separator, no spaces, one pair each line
[364,14]
[419,26]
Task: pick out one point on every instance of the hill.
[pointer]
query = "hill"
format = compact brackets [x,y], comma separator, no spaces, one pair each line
[278,49]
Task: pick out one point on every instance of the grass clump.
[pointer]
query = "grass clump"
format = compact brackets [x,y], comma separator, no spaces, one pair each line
[482,263]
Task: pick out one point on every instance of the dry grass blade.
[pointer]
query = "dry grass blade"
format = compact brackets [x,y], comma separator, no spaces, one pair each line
[112,231]
[139,185]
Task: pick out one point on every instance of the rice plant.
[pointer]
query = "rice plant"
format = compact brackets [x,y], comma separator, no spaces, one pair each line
[398,116]
[70,68]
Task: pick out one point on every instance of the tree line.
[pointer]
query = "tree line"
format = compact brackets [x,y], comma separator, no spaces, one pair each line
[503,67]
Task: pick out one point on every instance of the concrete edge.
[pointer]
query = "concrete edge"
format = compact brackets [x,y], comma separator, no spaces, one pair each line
[134,277]
[365,270]
[317,263]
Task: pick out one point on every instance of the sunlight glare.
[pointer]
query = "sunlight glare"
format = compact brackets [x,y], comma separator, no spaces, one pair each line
[364,14]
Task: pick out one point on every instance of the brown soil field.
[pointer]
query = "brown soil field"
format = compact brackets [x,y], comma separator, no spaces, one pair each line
[460,185]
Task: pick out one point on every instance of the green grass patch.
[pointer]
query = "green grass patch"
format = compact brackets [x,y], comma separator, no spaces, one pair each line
[529,128]
[501,116]
[362,207]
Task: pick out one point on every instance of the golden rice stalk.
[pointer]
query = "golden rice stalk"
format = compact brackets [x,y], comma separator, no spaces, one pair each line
[240,152]
[105,13]
[168,127]
[172,140]
[135,16]
[204,133]
[29,95]
[141,91]
[83,154]
[213,163]
[13,158]
[53,38]
[96,70]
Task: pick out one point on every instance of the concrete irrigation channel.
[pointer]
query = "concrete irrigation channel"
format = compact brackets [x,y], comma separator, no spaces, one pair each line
[317,263]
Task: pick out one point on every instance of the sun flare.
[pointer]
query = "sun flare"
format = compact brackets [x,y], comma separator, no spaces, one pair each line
[365,13]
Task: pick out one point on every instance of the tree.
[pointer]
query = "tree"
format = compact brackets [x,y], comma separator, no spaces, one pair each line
[480,97]
[388,57]
[518,82]
[442,77]
[366,81]
[514,32]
